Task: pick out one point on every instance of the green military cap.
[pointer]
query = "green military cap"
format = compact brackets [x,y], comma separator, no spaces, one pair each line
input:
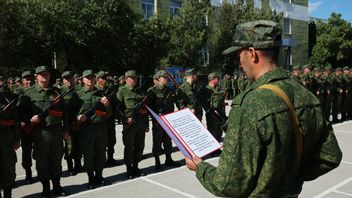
[328,67]
[155,77]
[131,73]
[316,69]
[161,73]
[346,68]
[296,67]
[2,77]
[9,78]
[17,78]
[58,80]
[261,34]
[41,69]
[338,69]
[87,73]
[115,77]
[213,75]
[306,66]
[66,74]
[190,72]
[101,74]
[27,73]
[122,77]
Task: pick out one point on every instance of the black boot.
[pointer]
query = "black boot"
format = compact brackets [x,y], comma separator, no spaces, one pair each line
[130,174]
[91,178]
[78,167]
[7,193]
[46,189]
[57,188]
[111,161]
[136,171]
[69,166]
[99,180]
[28,179]
[170,162]
[157,164]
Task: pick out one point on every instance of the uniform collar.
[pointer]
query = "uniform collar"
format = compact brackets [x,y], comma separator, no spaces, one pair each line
[40,89]
[88,90]
[270,76]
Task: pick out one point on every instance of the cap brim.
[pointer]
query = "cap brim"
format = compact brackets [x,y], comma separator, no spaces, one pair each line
[231,50]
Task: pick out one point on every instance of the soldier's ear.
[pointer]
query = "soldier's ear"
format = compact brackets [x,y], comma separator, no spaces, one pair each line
[253,55]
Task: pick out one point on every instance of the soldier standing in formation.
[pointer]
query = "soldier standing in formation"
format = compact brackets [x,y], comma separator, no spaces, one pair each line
[72,153]
[47,130]
[9,139]
[135,123]
[93,113]
[161,100]
[108,90]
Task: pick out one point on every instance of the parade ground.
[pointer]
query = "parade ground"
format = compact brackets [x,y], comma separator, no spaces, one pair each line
[180,182]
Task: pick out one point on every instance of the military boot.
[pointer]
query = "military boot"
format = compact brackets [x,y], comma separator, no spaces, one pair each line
[91,180]
[129,171]
[170,162]
[136,171]
[57,188]
[28,179]
[7,193]
[157,164]
[99,180]
[69,166]
[78,167]
[46,189]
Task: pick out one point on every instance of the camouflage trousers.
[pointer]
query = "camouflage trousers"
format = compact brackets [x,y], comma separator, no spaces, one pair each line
[8,158]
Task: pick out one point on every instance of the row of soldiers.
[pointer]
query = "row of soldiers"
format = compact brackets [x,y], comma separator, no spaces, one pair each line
[332,87]
[78,120]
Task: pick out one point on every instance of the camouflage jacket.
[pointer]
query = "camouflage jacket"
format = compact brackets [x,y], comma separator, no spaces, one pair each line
[161,99]
[258,159]
[185,96]
[36,99]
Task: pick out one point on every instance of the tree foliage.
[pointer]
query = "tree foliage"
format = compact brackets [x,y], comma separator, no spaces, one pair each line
[334,43]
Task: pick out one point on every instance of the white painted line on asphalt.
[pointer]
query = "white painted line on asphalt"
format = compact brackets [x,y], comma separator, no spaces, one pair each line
[334,188]
[346,162]
[342,131]
[343,193]
[169,188]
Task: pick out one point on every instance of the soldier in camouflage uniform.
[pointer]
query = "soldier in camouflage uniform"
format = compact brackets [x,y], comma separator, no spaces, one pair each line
[9,139]
[306,77]
[93,113]
[72,153]
[47,130]
[329,90]
[259,156]
[346,100]
[226,87]
[215,100]
[338,92]
[350,95]
[186,95]
[26,139]
[135,123]
[296,74]
[102,85]
[319,87]
[162,102]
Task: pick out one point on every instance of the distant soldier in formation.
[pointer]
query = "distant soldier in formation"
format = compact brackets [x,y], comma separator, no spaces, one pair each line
[26,139]
[319,86]
[346,100]
[72,153]
[215,101]
[47,130]
[162,102]
[296,74]
[9,139]
[108,90]
[135,123]
[226,87]
[338,92]
[93,113]
[306,77]
[329,91]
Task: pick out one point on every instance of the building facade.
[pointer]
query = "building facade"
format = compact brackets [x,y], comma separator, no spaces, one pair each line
[295,22]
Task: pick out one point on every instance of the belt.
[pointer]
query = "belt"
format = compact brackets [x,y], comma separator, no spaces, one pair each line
[7,123]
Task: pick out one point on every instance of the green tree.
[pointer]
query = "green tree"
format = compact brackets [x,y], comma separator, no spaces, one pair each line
[334,43]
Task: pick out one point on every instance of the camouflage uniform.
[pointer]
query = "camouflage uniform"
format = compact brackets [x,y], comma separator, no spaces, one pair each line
[337,95]
[133,136]
[162,102]
[9,135]
[47,135]
[346,100]
[93,133]
[258,158]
